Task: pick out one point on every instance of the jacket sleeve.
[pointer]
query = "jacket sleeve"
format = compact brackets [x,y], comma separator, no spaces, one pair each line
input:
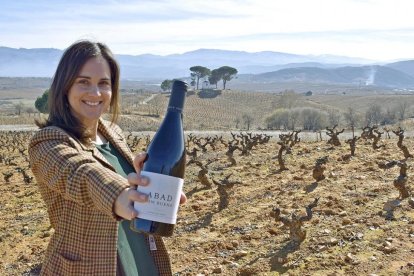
[58,163]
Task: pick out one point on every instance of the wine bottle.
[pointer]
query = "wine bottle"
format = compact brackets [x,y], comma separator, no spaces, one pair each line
[165,168]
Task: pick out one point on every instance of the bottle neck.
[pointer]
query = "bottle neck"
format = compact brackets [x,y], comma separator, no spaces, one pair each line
[177,96]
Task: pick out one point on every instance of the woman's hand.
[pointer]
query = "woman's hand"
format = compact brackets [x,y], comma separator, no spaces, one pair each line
[183,198]
[124,204]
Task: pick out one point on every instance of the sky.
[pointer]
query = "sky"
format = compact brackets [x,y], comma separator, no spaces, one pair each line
[380,30]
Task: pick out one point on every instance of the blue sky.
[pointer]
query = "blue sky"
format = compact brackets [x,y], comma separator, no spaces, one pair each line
[381,30]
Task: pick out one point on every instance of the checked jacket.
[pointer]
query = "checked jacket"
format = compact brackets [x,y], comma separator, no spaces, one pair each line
[79,187]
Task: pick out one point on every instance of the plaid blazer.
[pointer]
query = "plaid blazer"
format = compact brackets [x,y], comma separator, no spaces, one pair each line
[79,188]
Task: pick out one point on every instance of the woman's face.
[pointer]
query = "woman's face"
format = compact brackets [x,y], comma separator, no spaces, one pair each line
[90,95]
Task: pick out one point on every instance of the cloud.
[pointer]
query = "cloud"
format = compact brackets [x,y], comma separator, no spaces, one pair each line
[165,27]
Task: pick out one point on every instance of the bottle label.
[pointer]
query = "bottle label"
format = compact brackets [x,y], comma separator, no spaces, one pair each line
[164,194]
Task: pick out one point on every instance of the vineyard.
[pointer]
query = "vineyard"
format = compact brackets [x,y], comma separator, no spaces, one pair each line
[142,110]
[225,111]
[216,113]
[258,205]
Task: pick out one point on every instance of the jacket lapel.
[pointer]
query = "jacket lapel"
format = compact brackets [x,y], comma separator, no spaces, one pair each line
[98,155]
[116,139]
[95,153]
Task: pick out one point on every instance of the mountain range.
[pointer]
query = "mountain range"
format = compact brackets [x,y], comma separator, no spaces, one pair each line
[257,67]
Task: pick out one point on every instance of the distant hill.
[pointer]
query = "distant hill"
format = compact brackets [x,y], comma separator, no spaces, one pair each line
[256,69]
[375,75]
[28,62]
[362,75]
[406,66]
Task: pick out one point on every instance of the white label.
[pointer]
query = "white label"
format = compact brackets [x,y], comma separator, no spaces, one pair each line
[164,193]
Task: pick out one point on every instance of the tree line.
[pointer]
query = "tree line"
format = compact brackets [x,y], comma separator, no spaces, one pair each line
[223,73]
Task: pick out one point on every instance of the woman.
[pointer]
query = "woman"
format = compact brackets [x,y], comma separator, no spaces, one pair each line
[87,175]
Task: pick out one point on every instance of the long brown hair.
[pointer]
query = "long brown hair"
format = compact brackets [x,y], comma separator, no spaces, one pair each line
[66,73]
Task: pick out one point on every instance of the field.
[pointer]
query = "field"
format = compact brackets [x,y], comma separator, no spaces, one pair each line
[226,227]
[359,226]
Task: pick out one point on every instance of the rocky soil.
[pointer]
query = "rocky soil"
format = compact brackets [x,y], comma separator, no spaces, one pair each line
[359,226]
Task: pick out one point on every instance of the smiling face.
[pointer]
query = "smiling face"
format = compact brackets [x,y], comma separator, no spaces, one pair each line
[90,95]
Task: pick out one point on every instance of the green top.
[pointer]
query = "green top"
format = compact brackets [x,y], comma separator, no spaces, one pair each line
[133,251]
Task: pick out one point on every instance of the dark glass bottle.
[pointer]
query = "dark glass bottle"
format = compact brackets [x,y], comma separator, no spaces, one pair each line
[166,159]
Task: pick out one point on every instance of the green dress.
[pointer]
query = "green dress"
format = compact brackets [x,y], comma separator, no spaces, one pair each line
[133,251]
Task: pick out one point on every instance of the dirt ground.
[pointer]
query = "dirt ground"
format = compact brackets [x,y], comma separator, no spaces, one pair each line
[358,227]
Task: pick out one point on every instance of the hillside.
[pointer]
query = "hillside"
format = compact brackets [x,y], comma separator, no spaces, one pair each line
[380,76]
[406,66]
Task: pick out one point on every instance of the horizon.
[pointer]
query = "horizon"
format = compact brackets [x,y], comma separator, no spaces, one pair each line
[377,30]
[366,61]
[195,50]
